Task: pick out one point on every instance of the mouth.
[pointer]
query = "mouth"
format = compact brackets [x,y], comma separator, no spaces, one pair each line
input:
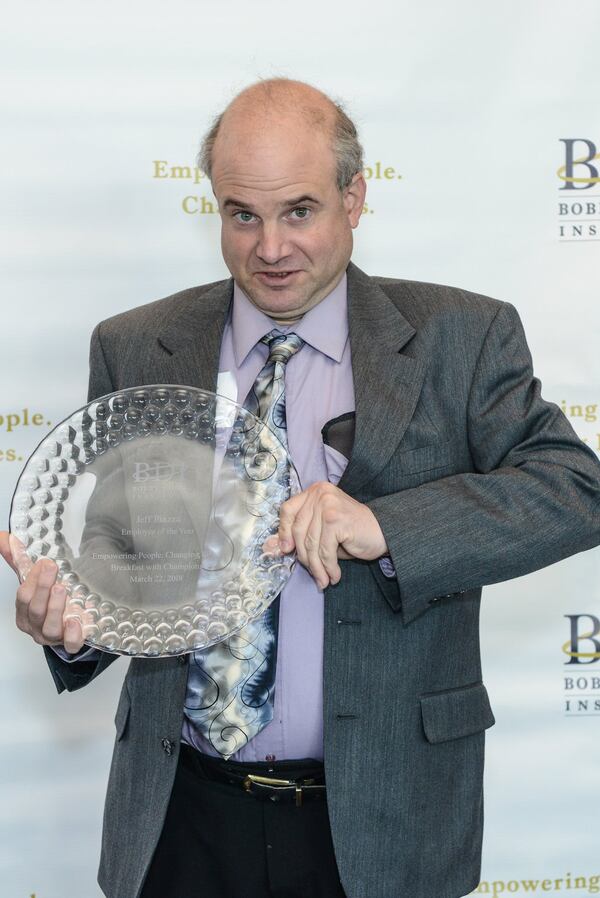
[276,278]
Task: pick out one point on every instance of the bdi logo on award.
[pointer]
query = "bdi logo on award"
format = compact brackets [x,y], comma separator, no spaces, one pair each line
[579,193]
[582,682]
[152,471]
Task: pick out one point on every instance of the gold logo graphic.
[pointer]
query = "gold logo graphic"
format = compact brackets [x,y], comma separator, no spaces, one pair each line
[573,179]
[568,648]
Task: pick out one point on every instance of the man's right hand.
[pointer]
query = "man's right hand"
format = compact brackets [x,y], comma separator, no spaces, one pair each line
[41,604]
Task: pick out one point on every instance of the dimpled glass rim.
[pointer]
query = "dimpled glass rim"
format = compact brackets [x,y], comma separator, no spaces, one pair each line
[67,451]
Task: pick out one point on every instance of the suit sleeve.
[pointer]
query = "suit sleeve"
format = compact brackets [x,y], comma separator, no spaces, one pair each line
[78,672]
[100,381]
[533,498]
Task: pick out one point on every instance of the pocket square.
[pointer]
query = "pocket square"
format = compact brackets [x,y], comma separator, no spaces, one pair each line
[339,433]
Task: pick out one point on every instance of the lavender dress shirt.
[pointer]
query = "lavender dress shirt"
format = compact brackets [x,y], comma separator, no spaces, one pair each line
[319,387]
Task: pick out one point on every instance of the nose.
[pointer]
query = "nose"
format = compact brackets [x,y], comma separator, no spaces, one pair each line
[272,246]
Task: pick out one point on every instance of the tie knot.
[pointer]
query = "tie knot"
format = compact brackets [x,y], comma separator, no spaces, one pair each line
[282,346]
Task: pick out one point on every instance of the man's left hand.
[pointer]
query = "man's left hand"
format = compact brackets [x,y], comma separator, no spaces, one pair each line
[323,524]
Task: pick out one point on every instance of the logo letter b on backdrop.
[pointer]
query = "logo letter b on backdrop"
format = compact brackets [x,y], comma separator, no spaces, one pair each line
[566,173]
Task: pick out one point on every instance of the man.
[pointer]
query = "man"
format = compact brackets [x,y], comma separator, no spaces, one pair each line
[459,474]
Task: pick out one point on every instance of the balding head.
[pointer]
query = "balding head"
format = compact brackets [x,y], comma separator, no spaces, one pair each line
[282,102]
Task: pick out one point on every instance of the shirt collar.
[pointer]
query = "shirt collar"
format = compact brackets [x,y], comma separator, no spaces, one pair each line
[325,326]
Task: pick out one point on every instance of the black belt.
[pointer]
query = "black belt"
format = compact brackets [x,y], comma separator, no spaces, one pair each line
[309,784]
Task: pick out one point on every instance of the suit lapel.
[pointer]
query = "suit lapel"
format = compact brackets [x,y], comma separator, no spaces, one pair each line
[190,344]
[387,383]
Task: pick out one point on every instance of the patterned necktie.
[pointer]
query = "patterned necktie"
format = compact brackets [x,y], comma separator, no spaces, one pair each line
[231,685]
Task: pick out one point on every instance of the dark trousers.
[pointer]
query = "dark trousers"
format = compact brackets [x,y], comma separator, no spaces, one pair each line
[221,842]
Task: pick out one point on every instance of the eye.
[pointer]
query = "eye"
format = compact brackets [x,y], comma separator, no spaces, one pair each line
[301,213]
[244,217]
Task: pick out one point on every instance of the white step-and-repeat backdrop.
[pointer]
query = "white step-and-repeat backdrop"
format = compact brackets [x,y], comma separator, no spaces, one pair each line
[482,137]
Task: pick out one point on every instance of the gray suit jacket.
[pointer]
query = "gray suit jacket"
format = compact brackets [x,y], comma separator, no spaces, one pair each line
[474,479]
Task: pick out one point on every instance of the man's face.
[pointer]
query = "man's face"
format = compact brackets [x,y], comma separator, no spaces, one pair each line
[286,232]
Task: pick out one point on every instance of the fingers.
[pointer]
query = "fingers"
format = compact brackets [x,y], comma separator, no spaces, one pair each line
[271,546]
[25,594]
[312,530]
[40,609]
[309,548]
[52,625]
[303,531]
[39,596]
[326,524]
[330,550]
[73,635]
[40,606]
[5,550]
[322,547]
[287,517]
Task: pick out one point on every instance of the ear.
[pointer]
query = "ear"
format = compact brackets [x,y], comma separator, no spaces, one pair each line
[354,198]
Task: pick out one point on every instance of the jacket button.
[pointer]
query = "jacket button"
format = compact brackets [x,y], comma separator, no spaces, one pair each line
[167,746]
[182,659]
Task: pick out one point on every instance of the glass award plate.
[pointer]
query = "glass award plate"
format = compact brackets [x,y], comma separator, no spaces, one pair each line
[155,503]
